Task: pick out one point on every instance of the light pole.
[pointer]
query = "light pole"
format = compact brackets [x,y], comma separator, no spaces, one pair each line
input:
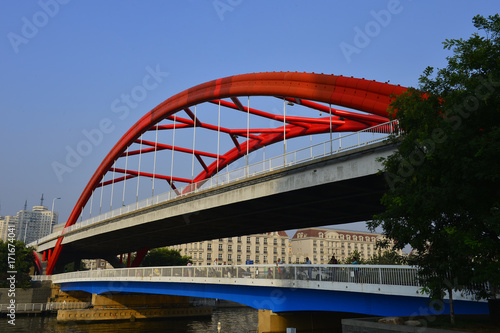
[52,212]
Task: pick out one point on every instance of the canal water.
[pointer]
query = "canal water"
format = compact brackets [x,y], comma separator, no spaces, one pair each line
[232,320]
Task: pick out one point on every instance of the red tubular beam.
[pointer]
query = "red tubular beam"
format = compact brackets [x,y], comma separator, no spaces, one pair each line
[150,175]
[139,256]
[238,104]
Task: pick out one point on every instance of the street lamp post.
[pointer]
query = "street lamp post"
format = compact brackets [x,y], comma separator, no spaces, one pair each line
[52,212]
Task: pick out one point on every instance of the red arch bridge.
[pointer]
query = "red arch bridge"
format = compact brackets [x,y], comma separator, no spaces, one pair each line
[226,129]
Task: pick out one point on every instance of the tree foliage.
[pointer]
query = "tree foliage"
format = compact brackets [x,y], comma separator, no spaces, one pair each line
[354,256]
[444,180]
[387,257]
[164,257]
[24,261]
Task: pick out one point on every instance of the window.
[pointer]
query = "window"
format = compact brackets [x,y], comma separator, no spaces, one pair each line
[220,256]
[275,250]
[256,249]
[248,240]
[282,242]
[282,251]
[239,240]
[209,247]
[229,247]
[248,257]
[265,249]
[229,257]
[238,257]
[265,241]
[239,248]
[257,240]
[209,256]
[220,247]
[248,248]
[275,242]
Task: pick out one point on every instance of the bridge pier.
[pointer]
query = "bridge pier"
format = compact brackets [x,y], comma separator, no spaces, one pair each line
[307,321]
[135,306]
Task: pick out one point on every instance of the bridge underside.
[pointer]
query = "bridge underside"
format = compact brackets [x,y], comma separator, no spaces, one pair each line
[340,202]
[289,299]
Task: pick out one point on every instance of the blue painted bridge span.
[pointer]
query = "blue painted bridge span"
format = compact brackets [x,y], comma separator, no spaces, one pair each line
[365,289]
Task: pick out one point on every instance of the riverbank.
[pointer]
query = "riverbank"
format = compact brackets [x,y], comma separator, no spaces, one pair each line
[427,324]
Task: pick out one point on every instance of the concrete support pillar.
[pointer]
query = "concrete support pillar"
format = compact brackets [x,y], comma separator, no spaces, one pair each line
[307,321]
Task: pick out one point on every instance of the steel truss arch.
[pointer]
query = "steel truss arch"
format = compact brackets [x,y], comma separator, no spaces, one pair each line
[315,91]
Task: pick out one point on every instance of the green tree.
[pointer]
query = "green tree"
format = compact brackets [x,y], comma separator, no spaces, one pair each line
[351,258]
[21,257]
[164,257]
[444,180]
[387,257]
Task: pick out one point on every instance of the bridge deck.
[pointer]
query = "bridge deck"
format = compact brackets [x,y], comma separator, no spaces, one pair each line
[369,289]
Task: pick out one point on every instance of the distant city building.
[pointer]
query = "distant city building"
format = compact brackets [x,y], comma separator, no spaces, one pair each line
[96,264]
[34,224]
[319,244]
[263,248]
[5,222]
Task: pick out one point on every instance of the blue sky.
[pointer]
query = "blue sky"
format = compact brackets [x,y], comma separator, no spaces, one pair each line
[65,65]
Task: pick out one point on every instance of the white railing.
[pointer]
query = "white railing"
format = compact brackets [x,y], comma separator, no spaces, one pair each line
[340,144]
[42,307]
[366,274]
[41,278]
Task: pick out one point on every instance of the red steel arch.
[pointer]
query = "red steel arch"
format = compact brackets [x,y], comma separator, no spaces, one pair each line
[307,89]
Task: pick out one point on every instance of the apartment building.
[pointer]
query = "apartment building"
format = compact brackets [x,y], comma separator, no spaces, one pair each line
[259,248]
[319,244]
[30,225]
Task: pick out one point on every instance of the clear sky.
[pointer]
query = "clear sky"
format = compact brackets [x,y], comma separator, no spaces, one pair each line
[64,63]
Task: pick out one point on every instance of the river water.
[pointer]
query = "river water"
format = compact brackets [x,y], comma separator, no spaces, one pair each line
[234,320]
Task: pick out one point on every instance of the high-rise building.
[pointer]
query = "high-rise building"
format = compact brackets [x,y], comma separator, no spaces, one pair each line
[35,224]
[5,222]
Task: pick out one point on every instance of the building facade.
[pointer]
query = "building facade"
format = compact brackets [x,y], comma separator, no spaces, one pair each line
[320,244]
[34,224]
[263,248]
[5,222]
